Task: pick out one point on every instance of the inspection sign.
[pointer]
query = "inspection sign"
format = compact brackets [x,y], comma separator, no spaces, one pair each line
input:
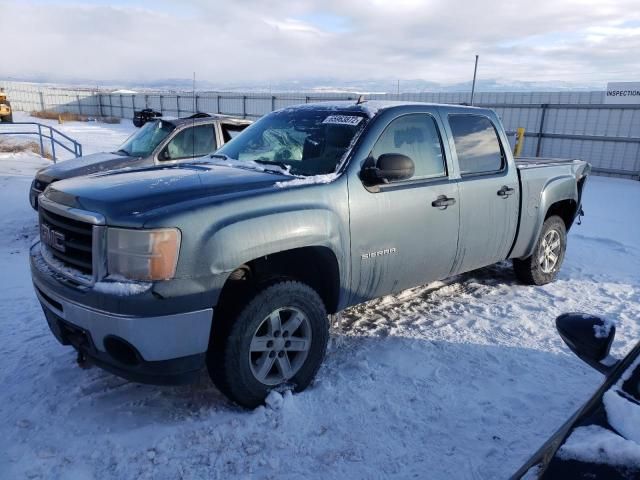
[622,93]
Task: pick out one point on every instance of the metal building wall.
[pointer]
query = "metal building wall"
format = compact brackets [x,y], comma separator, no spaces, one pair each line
[558,124]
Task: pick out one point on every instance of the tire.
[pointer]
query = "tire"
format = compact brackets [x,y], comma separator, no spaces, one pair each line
[539,268]
[234,365]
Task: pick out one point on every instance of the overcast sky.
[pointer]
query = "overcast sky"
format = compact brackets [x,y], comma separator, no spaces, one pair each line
[261,41]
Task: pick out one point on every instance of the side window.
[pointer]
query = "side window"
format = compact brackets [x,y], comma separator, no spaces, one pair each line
[230,130]
[477,144]
[415,136]
[190,142]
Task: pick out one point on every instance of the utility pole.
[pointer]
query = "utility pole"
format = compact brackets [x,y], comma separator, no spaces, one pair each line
[473,85]
[398,89]
[193,95]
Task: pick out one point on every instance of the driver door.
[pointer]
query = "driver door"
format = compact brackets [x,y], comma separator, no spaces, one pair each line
[400,238]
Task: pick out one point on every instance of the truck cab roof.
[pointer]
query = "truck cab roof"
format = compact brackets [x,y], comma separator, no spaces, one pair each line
[374,107]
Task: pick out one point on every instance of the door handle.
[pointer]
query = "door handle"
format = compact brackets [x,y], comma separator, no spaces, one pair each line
[443,202]
[505,191]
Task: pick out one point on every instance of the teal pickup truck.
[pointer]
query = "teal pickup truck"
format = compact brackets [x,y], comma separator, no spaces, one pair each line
[235,261]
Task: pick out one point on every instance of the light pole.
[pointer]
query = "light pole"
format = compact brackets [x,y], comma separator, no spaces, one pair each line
[473,85]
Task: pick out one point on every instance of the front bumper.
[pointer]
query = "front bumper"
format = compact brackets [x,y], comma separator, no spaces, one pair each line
[149,348]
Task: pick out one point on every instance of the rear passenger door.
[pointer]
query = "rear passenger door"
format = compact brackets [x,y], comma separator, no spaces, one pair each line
[488,190]
[399,237]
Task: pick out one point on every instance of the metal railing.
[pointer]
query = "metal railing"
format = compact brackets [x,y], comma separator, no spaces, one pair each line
[54,137]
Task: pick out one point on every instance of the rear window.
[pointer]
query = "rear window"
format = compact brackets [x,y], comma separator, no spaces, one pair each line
[230,131]
[477,144]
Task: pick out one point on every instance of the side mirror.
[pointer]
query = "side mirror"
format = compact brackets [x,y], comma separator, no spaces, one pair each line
[390,167]
[589,337]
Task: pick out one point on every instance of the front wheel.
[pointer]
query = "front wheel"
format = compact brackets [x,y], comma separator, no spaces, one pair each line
[278,339]
[542,267]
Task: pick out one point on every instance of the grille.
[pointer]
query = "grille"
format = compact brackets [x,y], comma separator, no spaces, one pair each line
[76,240]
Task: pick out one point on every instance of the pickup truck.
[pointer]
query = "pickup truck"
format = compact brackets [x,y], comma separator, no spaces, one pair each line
[235,261]
[158,142]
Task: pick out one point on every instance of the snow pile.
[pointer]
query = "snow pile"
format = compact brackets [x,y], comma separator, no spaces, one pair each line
[603,331]
[309,180]
[250,164]
[121,286]
[623,415]
[619,446]
[21,164]
[48,262]
[297,180]
[598,445]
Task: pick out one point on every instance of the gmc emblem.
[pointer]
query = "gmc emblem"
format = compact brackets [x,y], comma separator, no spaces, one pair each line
[52,238]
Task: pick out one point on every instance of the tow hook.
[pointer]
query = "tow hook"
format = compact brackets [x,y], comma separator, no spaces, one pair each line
[580,215]
[83,361]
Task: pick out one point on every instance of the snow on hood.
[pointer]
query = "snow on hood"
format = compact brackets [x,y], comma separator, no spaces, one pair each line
[94,163]
[121,193]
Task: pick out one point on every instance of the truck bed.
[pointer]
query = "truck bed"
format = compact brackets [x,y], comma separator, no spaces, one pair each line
[562,177]
[534,162]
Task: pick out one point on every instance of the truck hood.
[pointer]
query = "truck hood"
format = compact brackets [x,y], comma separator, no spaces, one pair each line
[122,195]
[96,162]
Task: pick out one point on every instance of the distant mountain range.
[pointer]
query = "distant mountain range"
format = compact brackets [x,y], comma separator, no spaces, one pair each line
[321,85]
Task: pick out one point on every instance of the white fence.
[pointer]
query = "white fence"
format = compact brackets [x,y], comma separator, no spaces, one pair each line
[557,124]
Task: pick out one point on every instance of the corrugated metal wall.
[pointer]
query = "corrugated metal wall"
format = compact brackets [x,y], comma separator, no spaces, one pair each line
[558,124]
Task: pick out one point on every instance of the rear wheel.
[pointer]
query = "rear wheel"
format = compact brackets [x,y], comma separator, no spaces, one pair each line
[278,339]
[542,267]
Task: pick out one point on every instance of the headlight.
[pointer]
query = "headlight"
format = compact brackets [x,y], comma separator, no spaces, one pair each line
[143,254]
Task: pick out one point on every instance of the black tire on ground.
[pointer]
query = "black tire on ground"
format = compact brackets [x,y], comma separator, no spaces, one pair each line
[229,359]
[538,269]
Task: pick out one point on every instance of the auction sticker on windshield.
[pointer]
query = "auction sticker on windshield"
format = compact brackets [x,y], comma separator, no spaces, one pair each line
[343,120]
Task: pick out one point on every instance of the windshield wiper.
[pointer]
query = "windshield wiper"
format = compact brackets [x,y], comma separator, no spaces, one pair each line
[285,167]
[220,155]
[122,150]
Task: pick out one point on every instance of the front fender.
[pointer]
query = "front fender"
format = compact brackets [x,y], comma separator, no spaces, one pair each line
[240,242]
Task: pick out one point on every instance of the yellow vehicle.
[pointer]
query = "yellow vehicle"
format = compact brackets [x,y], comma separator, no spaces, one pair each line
[6,115]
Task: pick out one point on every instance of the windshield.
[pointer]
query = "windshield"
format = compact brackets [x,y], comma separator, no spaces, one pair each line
[306,141]
[144,141]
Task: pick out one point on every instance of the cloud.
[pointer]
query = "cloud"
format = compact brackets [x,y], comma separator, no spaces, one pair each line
[261,41]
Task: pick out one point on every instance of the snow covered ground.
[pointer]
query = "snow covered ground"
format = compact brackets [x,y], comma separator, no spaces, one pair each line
[459,379]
